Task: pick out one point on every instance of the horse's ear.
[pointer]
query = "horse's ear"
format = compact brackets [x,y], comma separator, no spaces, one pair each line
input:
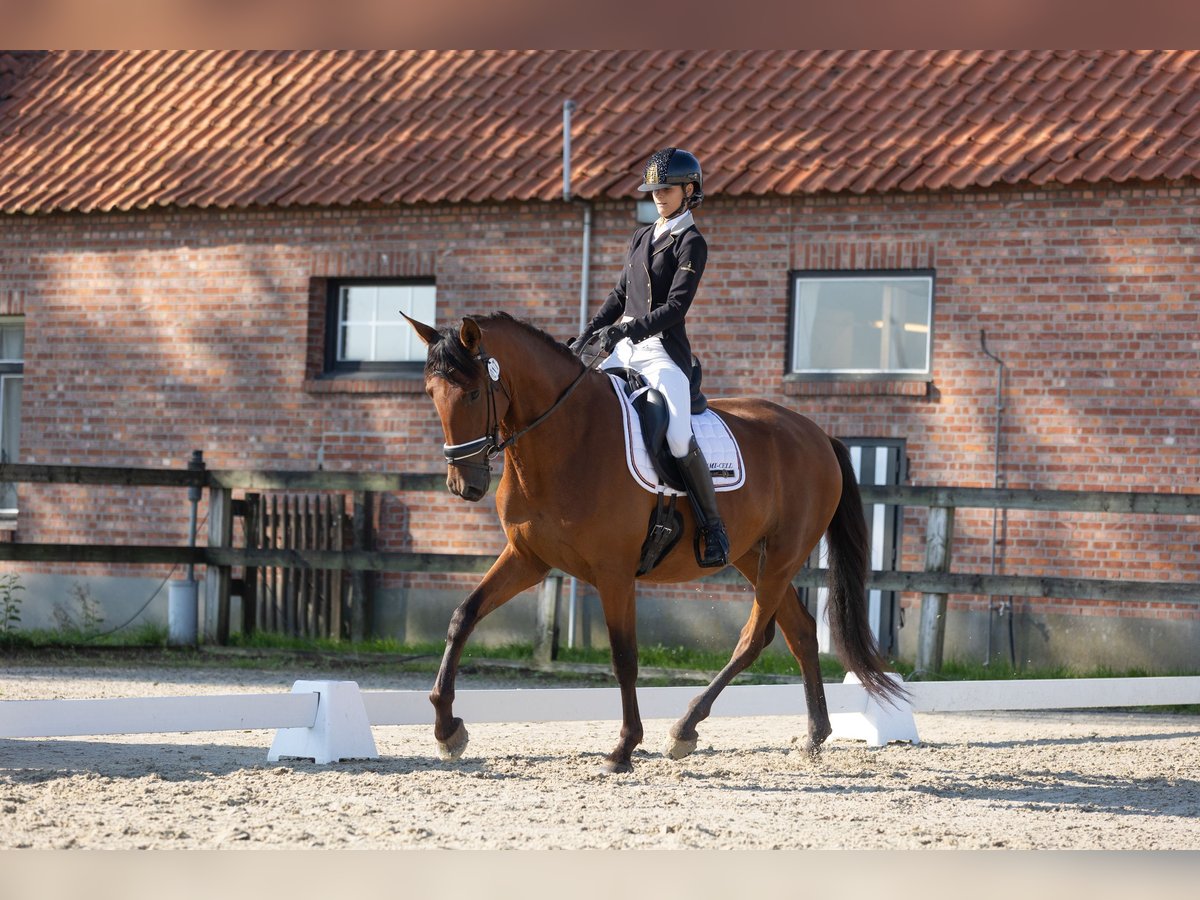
[470,335]
[425,332]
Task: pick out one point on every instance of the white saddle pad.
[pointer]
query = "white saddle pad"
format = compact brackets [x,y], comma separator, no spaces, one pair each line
[712,434]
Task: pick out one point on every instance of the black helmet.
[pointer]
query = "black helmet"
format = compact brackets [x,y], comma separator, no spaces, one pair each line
[673,166]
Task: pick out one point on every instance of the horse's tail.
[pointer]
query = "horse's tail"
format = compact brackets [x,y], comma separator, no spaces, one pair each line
[848,545]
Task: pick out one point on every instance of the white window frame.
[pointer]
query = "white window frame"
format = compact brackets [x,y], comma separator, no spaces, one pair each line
[336,323]
[800,279]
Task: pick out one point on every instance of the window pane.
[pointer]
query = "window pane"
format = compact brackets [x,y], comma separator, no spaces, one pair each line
[391,342]
[358,304]
[10,434]
[12,341]
[391,301]
[862,325]
[356,343]
[424,307]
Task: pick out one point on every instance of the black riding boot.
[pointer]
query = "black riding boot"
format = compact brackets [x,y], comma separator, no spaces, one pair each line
[698,481]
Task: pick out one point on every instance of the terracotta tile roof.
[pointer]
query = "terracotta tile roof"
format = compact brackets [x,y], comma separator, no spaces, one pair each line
[123,130]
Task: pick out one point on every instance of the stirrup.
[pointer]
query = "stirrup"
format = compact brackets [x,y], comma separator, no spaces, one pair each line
[716,546]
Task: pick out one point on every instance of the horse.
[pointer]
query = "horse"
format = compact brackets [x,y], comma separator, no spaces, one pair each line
[565,501]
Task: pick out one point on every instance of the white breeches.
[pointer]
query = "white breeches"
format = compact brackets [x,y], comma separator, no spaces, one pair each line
[650,358]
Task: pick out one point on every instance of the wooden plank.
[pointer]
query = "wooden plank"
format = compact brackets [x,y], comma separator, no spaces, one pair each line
[321,576]
[120,476]
[288,621]
[1131,502]
[273,560]
[338,579]
[1060,501]
[217,576]
[250,573]
[104,553]
[331,481]
[359,580]
[276,573]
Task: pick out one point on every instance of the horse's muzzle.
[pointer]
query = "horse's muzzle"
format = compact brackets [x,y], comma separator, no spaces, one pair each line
[471,484]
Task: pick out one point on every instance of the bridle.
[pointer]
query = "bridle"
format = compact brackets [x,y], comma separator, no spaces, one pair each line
[490,444]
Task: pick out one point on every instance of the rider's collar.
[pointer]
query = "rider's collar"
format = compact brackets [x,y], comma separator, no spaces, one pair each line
[676,225]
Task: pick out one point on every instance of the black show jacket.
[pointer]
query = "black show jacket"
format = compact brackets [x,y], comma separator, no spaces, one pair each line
[656,287]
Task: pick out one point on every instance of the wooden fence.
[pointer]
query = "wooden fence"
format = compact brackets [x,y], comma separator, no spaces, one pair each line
[934,582]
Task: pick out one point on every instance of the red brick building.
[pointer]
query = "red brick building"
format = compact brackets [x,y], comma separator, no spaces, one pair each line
[193,244]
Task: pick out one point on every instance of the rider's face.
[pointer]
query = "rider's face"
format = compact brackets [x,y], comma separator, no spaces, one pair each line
[668,199]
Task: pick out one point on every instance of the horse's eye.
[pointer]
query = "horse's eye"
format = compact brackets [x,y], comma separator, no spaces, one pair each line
[474,395]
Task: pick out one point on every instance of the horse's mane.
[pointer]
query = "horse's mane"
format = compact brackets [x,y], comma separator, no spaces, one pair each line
[449,359]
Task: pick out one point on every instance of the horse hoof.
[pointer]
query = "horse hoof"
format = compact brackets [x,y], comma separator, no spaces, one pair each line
[813,750]
[452,748]
[615,767]
[677,748]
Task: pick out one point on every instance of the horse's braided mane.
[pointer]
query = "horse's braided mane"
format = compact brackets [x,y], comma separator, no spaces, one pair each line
[449,359]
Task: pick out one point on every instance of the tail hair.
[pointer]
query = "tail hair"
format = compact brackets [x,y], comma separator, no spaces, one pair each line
[848,543]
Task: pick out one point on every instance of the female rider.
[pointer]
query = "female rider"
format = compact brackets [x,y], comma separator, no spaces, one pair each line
[642,323]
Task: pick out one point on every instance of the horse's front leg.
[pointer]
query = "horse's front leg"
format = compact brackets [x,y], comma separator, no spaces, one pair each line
[508,576]
[620,616]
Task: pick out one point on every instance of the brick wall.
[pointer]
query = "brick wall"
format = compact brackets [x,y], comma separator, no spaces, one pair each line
[151,334]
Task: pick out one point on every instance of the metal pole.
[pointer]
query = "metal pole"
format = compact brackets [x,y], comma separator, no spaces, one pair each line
[195,464]
[996,479]
[585,277]
[568,108]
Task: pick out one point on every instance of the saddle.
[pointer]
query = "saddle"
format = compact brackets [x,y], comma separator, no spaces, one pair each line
[652,452]
[652,412]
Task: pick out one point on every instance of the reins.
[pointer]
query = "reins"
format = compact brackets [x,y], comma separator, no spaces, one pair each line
[490,443]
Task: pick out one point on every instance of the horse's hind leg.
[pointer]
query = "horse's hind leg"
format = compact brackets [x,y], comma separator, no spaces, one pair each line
[508,576]
[800,631]
[767,593]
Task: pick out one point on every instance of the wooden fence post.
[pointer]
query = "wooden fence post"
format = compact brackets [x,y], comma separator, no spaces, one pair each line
[363,538]
[932,637]
[216,578]
[545,640]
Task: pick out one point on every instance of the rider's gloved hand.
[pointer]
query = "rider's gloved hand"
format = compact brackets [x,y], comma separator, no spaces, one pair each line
[576,346]
[612,335]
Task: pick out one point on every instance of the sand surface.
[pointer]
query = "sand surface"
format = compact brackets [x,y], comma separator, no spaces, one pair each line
[1105,780]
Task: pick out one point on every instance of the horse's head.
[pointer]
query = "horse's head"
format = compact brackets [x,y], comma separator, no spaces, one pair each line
[464,384]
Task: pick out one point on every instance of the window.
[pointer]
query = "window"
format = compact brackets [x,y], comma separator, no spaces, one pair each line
[365,332]
[12,374]
[861,324]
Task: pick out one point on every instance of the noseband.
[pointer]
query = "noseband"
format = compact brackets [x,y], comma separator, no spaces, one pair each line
[490,444]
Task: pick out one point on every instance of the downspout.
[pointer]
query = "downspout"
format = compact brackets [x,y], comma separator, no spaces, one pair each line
[997,478]
[584,280]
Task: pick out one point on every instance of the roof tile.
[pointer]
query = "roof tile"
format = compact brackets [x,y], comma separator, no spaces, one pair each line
[125,130]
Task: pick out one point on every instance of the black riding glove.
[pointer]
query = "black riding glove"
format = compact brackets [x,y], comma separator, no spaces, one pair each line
[576,346]
[612,335]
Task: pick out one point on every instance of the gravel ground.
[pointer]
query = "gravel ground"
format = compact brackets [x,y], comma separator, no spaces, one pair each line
[1068,780]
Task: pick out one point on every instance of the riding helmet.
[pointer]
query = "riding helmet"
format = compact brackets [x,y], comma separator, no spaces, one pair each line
[673,166]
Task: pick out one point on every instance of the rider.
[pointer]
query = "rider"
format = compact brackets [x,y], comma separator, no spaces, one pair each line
[642,322]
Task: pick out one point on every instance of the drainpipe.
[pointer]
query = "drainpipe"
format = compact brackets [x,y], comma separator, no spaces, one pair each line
[998,477]
[584,280]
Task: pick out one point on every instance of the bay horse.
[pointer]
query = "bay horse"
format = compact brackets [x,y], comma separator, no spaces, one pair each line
[566,501]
